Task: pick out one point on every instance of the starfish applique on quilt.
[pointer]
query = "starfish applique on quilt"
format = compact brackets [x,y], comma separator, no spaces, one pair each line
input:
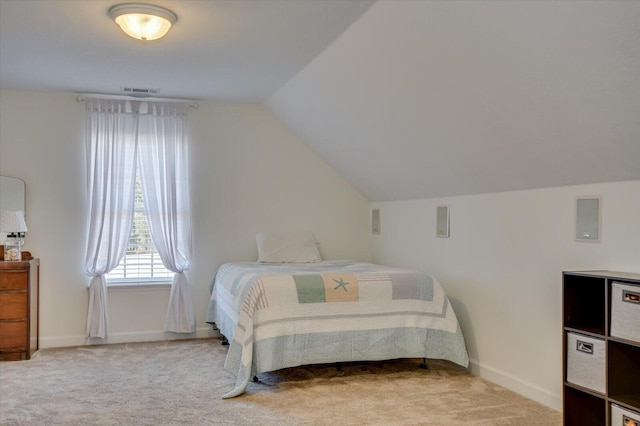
[341,283]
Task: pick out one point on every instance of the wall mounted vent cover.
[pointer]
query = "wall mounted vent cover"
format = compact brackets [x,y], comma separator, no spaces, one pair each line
[140,92]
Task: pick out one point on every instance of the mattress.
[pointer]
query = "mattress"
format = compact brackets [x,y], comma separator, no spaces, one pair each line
[285,315]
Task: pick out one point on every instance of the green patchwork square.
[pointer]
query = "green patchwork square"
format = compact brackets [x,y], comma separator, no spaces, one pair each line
[310,288]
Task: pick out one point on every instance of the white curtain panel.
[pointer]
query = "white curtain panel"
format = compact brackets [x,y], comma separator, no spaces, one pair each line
[162,146]
[111,165]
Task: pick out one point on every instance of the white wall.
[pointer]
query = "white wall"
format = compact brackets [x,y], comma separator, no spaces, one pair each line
[501,266]
[502,269]
[248,174]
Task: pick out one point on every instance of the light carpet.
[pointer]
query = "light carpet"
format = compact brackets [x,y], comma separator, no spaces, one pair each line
[181,383]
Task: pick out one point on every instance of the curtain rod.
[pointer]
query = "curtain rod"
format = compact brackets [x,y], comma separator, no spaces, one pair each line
[82,97]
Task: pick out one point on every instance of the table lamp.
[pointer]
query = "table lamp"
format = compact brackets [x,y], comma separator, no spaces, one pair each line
[13,224]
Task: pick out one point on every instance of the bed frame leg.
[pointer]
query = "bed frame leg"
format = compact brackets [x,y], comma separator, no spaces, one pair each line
[423,364]
[255,379]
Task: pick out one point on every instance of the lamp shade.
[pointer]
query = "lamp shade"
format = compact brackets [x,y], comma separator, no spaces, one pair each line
[12,222]
[143,21]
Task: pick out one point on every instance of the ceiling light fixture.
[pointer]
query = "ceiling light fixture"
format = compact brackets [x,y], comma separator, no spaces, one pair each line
[143,21]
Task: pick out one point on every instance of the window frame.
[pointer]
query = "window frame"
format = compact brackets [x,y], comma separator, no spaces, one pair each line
[139,208]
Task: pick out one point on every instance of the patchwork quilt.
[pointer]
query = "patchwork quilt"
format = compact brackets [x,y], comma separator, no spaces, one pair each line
[285,315]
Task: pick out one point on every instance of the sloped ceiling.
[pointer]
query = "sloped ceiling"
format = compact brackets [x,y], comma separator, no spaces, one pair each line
[425,99]
[406,99]
[223,50]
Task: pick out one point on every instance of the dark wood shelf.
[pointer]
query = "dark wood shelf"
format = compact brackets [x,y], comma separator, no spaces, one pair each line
[587,331]
[585,409]
[587,310]
[624,341]
[584,303]
[631,402]
[623,372]
[583,389]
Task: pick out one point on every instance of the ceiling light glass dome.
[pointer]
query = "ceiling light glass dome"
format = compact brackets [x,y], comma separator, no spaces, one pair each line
[143,21]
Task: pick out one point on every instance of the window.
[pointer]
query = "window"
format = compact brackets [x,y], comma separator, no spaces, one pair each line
[119,133]
[141,262]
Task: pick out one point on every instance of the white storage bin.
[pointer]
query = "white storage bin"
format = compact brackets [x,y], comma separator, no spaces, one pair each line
[586,361]
[625,311]
[623,417]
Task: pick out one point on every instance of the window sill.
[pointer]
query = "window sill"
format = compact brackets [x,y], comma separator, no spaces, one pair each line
[153,285]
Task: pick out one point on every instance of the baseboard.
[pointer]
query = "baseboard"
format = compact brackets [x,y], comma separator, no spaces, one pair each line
[139,336]
[515,384]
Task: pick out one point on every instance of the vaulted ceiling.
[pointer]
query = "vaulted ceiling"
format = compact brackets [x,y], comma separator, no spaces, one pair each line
[405,98]
[425,99]
[226,50]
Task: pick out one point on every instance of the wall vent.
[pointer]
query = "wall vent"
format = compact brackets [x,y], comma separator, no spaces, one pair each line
[140,92]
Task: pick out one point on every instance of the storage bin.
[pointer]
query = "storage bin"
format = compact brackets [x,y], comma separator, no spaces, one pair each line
[625,311]
[586,361]
[623,417]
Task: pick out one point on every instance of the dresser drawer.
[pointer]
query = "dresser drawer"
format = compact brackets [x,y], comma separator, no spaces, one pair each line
[625,311]
[586,362]
[13,305]
[10,280]
[13,356]
[624,417]
[13,334]
[19,308]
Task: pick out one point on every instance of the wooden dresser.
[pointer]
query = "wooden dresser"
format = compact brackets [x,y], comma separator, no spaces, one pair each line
[19,287]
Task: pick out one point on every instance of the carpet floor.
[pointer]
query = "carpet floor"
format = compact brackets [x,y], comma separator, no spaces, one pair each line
[181,383]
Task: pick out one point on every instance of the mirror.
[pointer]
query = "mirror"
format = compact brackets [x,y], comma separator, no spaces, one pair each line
[12,197]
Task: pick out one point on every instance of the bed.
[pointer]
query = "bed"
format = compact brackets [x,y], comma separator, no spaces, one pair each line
[285,315]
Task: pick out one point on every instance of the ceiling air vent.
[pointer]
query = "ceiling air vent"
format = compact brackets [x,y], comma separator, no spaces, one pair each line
[140,92]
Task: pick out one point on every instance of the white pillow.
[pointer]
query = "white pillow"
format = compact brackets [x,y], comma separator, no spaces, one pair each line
[287,247]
